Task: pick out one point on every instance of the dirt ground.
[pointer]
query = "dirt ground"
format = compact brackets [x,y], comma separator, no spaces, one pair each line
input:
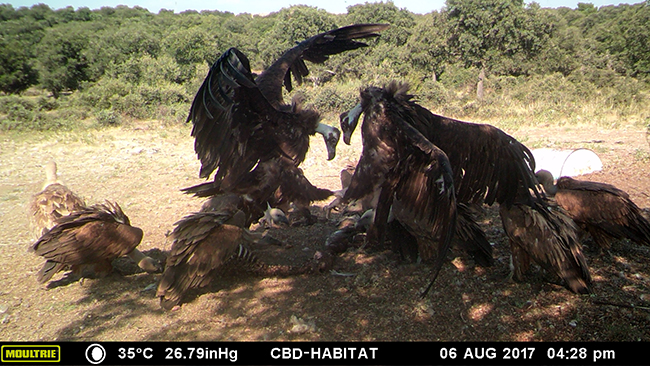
[372,295]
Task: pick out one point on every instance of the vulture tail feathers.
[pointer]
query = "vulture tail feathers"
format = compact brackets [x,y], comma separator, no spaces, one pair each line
[641,229]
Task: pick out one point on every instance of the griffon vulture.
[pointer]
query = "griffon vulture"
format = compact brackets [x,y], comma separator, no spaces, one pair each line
[207,243]
[546,234]
[54,201]
[90,236]
[245,131]
[604,211]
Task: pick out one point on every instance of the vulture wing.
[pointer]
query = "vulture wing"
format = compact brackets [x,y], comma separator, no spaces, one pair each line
[316,49]
[489,165]
[603,207]
[547,235]
[203,243]
[96,234]
[222,134]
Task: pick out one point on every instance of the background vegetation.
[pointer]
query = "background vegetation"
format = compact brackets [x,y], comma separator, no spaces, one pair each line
[72,68]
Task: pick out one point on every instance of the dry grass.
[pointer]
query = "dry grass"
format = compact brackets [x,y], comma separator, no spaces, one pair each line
[143,166]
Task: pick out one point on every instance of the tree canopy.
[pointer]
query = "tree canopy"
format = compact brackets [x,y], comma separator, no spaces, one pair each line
[135,51]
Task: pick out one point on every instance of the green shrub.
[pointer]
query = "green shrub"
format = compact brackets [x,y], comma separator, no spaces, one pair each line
[21,119]
[432,93]
[14,103]
[332,98]
[108,118]
[47,104]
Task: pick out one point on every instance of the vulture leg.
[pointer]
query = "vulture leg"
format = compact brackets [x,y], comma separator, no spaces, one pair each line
[519,262]
[402,241]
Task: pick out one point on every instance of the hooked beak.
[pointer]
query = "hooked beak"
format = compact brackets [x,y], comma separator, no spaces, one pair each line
[331,141]
[331,135]
[349,121]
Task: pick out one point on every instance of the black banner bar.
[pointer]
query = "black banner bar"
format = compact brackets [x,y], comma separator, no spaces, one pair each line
[322,353]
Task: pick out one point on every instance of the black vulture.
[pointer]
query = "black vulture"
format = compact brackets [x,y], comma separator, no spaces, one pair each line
[491,166]
[412,175]
[245,131]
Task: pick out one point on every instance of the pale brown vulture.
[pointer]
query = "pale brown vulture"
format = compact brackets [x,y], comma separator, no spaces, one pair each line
[274,218]
[413,176]
[603,210]
[546,234]
[488,166]
[245,131]
[89,237]
[208,243]
[54,201]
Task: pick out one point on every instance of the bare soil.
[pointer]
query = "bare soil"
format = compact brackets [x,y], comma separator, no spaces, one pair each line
[373,295]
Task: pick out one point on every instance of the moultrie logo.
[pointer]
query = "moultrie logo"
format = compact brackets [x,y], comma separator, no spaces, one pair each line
[31,353]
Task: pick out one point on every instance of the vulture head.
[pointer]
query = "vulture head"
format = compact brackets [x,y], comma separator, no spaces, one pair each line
[349,121]
[50,174]
[545,178]
[331,136]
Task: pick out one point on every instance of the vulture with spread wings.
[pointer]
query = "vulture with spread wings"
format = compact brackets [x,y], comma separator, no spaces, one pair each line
[210,242]
[603,210]
[90,237]
[412,175]
[245,131]
[491,166]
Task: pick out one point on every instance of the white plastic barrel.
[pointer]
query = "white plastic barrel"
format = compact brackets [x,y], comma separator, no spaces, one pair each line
[567,162]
